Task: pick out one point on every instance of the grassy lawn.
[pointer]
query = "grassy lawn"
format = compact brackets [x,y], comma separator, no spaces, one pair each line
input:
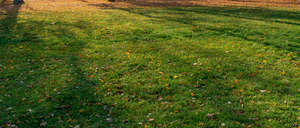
[151,67]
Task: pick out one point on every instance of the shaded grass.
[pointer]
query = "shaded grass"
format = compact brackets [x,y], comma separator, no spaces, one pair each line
[154,67]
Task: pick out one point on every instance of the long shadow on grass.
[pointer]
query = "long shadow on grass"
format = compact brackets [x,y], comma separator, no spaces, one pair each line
[214,84]
[42,81]
[201,24]
[8,20]
[258,14]
[211,85]
[210,82]
[263,14]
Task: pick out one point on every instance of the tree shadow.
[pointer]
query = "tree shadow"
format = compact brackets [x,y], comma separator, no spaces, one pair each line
[192,16]
[8,20]
[212,85]
[259,14]
[47,75]
[65,101]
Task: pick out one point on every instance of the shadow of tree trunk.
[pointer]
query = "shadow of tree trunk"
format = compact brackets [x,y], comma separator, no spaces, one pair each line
[71,99]
[8,20]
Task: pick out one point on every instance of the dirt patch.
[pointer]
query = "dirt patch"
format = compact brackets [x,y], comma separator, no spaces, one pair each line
[254,3]
[72,5]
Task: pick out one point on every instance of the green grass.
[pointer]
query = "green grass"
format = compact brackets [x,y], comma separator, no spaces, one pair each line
[154,67]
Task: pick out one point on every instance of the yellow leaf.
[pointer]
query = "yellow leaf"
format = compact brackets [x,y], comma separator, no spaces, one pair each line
[167,85]
[201,124]
[265,61]
[69,120]
[92,76]
[259,55]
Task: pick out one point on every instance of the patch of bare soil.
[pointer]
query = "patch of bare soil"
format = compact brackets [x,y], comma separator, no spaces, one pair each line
[71,5]
[253,3]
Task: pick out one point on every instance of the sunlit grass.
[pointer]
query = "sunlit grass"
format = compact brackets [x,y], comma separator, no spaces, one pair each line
[154,67]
